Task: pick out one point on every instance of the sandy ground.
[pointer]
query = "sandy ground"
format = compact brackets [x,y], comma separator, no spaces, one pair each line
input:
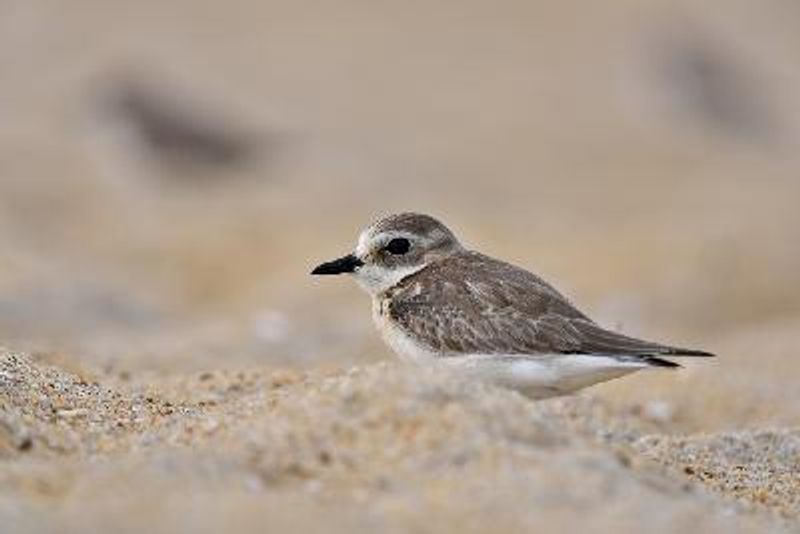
[171,171]
[381,446]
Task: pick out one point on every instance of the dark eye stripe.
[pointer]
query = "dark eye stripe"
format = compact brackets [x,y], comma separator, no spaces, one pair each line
[398,245]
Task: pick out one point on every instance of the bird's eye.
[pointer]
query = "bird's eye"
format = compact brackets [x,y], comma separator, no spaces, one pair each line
[398,246]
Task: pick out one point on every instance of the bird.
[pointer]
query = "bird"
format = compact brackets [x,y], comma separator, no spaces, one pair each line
[434,301]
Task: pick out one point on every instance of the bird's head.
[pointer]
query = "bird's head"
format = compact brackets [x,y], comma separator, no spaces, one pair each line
[393,248]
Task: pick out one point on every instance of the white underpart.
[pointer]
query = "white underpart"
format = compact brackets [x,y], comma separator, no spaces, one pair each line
[544,375]
[402,344]
[537,376]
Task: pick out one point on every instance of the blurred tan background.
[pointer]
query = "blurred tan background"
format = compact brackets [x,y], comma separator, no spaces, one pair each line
[171,171]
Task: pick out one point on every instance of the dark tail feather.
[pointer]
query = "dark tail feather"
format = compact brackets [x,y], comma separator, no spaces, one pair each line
[689,352]
[594,339]
[661,362]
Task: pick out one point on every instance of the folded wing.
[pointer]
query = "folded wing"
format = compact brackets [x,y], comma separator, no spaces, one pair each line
[473,304]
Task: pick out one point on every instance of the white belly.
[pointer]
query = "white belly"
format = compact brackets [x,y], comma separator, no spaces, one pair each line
[546,375]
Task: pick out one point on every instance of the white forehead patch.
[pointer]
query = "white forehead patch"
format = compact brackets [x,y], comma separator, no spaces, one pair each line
[362,247]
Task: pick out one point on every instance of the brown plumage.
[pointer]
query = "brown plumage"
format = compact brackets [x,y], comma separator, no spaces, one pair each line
[470,303]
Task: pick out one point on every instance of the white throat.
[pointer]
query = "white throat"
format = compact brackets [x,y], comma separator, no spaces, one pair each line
[375,279]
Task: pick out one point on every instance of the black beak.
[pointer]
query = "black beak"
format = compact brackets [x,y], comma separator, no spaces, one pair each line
[347,264]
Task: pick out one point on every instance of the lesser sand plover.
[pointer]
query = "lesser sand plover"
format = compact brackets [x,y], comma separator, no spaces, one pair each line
[435,301]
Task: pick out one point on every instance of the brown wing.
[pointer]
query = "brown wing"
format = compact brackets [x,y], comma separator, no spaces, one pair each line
[473,304]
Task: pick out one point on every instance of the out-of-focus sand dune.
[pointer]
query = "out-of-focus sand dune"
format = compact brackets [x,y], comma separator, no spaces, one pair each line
[170,172]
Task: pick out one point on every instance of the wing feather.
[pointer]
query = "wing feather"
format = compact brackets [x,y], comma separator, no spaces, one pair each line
[470,303]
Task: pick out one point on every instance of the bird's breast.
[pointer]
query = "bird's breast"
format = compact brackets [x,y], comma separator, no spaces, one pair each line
[406,347]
